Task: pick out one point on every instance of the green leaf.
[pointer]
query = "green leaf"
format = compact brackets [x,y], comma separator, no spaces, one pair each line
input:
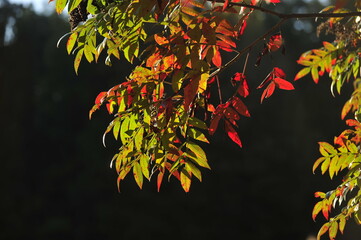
[123,129]
[314,74]
[116,129]
[77,60]
[303,72]
[328,147]
[194,170]
[60,5]
[351,147]
[325,165]
[333,166]
[144,165]
[193,121]
[317,163]
[333,230]
[357,216]
[91,8]
[138,176]
[185,179]
[200,157]
[342,223]
[323,230]
[198,135]
[316,209]
[71,42]
[138,140]
[329,46]
[73,4]
[88,53]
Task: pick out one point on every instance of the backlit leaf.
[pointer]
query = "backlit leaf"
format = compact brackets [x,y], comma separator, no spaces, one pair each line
[342,223]
[60,5]
[283,84]
[314,74]
[217,59]
[303,72]
[329,46]
[71,42]
[317,163]
[333,230]
[323,230]
[77,60]
[144,165]
[194,170]
[325,165]
[197,135]
[138,176]
[73,4]
[201,158]
[185,180]
[316,209]
[159,180]
[232,134]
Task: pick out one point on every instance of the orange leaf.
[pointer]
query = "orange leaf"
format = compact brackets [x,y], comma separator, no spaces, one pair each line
[217,59]
[100,98]
[159,180]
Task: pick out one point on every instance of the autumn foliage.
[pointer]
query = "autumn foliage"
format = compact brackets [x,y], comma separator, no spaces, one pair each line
[166,109]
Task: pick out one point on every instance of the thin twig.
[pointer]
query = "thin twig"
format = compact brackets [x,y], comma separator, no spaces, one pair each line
[293,15]
[244,50]
[219,91]
[245,63]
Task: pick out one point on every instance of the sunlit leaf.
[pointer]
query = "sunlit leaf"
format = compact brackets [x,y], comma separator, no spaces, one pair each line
[316,209]
[185,180]
[60,5]
[138,175]
[333,230]
[232,134]
[77,60]
[71,42]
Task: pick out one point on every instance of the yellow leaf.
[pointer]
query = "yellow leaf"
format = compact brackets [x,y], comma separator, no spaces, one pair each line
[186,181]
[138,176]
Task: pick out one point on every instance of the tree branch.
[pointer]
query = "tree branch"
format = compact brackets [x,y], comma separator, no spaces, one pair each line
[293,15]
[246,49]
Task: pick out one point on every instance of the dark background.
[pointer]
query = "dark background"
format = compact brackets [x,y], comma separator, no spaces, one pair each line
[55,177]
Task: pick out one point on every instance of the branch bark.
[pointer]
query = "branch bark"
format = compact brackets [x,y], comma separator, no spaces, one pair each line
[293,15]
[284,17]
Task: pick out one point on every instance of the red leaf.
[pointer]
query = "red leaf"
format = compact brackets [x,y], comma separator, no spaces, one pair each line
[275,42]
[129,95]
[225,5]
[217,59]
[100,98]
[240,107]
[243,27]
[243,89]
[278,72]
[232,115]
[214,123]
[190,92]
[325,210]
[232,134]
[283,84]
[268,91]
